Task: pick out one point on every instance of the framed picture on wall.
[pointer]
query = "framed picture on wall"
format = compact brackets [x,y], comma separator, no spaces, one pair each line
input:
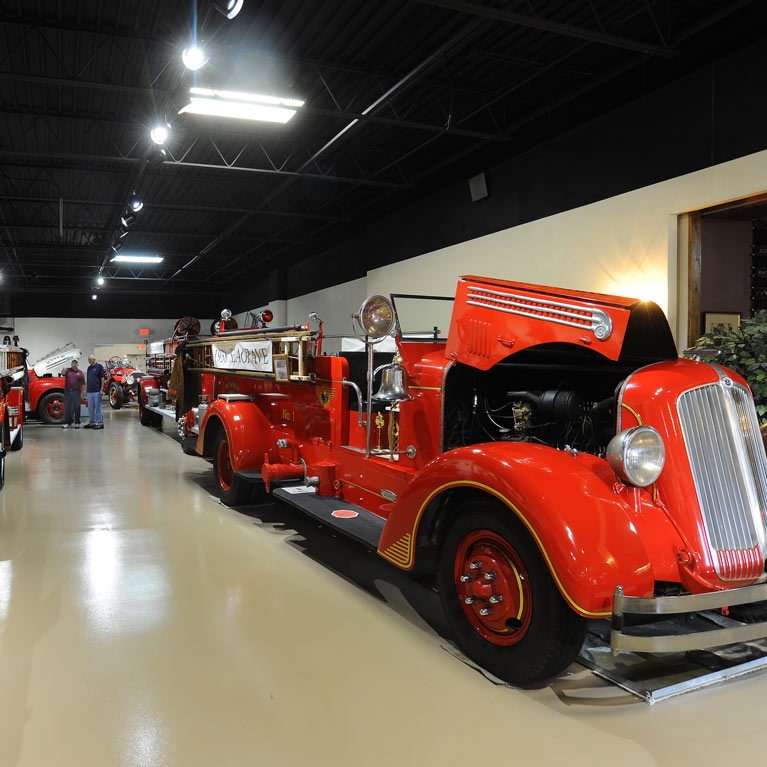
[721,322]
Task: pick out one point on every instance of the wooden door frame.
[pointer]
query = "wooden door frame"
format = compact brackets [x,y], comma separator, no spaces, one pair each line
[694,258]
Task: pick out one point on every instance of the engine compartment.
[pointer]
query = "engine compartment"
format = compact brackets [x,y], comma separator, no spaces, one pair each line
[555,394]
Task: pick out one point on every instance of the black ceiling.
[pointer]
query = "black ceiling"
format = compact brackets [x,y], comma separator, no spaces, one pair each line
[402,96]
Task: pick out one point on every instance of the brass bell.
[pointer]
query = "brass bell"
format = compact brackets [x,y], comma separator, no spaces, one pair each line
[394,386]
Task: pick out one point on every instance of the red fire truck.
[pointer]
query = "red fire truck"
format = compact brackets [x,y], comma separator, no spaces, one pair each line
[121,382]
[12,370]
[542,453]
[45,386]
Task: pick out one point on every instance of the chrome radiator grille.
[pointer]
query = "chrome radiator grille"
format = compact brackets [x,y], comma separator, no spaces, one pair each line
[727,459]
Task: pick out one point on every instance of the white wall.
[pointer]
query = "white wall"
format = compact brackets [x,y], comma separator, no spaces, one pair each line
[42,334]
[625,245]
[334,305]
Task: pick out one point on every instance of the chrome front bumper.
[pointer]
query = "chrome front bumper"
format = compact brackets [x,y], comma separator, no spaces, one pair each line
[691,603]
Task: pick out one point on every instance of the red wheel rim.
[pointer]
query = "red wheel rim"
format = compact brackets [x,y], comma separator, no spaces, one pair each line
[493,586]
[54,408]
[224,465]
[112,396]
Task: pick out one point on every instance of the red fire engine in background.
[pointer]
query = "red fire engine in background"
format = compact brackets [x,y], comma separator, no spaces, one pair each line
[548,460]
[12,369]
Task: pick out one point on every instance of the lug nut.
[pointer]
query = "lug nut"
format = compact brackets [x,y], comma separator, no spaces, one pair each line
[475,565]
[496,599]
[470,600]
[465,578]
[486,611]
[490,576]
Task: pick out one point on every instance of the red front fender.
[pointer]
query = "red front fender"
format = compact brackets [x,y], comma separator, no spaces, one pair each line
[248,432]
[586,527]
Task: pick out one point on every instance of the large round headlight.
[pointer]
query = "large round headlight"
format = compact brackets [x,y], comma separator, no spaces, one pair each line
[637,455]
[376,318]
[130,380]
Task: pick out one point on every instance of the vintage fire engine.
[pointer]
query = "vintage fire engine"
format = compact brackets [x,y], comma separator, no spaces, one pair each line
[548,461]
[45,387]
[12,370]
[121,382]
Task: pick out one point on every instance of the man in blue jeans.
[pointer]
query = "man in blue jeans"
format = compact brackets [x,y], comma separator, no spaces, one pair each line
[74,381]
[95,380]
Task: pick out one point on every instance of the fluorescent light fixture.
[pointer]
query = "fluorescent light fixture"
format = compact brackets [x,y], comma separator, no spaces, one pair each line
[244,106]
[230,8]
[193,57]
[136,259]
[159,134]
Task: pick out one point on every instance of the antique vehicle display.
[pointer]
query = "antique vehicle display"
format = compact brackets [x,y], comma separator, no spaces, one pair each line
[121,382]
[542,454]
[156,400]
[12,367]
[44,384]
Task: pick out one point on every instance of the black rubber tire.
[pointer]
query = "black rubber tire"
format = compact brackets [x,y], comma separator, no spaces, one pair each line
[555,633]
[116,395]
[144,415]
[156,419]
[188,445]
[18,442]
[44,404]
[753,613]
[232,490]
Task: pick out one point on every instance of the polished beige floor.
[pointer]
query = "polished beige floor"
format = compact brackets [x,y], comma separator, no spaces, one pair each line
[142,623]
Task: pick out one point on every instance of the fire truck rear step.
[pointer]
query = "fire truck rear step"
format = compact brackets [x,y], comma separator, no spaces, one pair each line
[351,520]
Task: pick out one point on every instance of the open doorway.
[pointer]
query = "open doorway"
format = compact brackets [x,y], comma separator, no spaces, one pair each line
[726,264]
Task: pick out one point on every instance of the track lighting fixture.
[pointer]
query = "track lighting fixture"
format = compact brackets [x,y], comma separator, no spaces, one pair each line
[116,246]
[127,219]
[134,203]
[193,57]
[229,8]
[100,280]
[159,134]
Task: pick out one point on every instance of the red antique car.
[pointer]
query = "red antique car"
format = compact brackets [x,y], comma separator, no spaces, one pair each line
[12,367]
[121,382]
[44,387]
[547,461]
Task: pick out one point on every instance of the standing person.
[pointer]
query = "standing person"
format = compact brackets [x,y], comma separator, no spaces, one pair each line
[95,381]
[74,384]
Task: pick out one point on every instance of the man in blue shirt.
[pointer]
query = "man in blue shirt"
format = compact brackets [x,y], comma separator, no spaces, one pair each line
[95,382]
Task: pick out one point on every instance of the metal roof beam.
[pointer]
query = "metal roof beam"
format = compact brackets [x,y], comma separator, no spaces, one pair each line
[519,19]
[184,208]
[93,158]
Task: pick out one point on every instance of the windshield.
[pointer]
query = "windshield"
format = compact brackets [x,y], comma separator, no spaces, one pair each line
[423,318]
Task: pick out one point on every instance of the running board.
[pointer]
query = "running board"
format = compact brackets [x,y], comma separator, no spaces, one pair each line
[351,520]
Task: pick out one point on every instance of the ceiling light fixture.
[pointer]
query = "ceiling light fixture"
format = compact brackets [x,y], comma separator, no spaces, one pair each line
[93,297]
[134,203]
[159,134]
[127,219]
[122,232]
[244,106]
[136,259]
[116,246]
[193,57]
[229,8]
[100,280]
